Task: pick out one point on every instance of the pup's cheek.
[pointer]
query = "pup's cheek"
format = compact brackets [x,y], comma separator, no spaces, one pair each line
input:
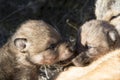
[37,59]
[65,55]
[42,59]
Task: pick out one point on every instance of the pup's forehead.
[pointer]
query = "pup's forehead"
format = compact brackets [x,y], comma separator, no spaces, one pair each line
[38,34]
[36,29]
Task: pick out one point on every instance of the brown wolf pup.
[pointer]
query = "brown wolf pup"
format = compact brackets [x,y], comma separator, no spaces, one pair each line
[35,43]
[97,38]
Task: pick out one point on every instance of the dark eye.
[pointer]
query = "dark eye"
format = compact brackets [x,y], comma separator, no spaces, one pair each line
[52,46]
[88,47]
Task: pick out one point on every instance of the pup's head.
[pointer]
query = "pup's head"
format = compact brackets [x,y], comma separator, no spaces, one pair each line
[39,43]
[99,34]
[96,38]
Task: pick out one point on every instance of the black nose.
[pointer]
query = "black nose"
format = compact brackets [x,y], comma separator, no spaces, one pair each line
[72,48]
[70,44]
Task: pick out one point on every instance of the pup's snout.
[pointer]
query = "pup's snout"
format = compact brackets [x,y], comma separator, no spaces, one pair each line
[72,48]
[70,44]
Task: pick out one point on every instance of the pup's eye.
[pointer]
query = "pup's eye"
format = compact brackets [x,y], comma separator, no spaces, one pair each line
[88,47]
[52,46]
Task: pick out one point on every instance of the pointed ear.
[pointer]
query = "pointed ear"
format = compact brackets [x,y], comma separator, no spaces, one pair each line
[112,35]
[20,44]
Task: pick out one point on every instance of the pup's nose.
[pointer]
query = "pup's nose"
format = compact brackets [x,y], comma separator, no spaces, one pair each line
[70,44]
[72,48]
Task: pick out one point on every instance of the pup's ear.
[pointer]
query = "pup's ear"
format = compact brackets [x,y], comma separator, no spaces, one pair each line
[20,44]
[112,35]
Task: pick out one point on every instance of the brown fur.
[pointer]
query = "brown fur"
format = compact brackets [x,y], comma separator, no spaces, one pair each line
[35,43]
[97,37]
[116,23]
[107,9]
[105,68]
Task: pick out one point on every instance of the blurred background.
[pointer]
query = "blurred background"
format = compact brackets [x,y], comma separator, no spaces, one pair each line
[65,15]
